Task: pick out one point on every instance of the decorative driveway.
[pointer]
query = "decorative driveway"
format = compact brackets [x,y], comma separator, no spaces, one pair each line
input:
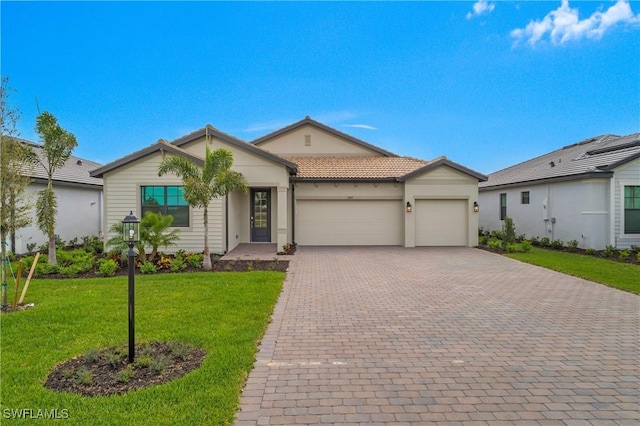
[388,335]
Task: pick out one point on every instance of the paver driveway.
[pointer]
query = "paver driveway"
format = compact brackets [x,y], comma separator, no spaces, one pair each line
[443,335]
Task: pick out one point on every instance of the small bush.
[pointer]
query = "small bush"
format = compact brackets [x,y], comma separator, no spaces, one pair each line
[164,262]
[557,244]
[177,264]
[159,363]
[113,359]
[590,251]
[573,245]
[92,355]
[526,246]
[194,260]
[93,244]
[143,361]
[126,374]
[609,251]
[520,238]
[107,267]
[83,376]
[545,242]
[535,241]
[179,349]
[512,248]
[31,247]
[624,254]
[495,244]
[509,230]
[148,268]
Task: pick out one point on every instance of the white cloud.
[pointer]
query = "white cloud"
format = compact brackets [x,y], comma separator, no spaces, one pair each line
[360,126]
[563,24]
[481,7]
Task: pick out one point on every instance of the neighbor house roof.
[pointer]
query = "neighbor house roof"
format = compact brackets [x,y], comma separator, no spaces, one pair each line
[593,157]
[75,171]
[309,121]
[370,168]
[175,148]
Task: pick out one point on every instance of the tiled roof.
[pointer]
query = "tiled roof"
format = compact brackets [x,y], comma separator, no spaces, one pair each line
[590,157]
[356,167]
[75,170]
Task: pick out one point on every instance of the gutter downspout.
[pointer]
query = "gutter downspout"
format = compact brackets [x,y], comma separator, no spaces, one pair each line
[293,213]
[226,223]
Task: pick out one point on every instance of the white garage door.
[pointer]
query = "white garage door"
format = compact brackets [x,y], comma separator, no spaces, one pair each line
[349,222]
[441,222]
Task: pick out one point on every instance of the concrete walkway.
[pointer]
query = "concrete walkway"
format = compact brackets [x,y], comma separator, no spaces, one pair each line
[365,336]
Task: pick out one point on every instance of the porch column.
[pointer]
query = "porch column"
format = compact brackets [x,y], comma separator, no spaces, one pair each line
[282,217]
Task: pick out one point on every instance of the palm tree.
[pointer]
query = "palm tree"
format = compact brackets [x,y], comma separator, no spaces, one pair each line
[201,186]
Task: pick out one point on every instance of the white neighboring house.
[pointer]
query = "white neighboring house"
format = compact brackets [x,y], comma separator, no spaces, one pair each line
[588,191]
[79,199]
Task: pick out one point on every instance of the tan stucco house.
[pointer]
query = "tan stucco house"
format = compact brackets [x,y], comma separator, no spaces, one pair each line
[309,184]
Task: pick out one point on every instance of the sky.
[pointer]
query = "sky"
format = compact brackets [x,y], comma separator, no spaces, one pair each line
[488,84]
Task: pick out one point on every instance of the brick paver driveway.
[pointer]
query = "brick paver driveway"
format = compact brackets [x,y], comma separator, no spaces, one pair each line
[443,335]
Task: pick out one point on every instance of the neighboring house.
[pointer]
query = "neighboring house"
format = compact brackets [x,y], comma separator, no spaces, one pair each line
[588,192]
[79,198]
[309,184]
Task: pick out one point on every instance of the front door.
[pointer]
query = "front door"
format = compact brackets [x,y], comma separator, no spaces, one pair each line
[260,216]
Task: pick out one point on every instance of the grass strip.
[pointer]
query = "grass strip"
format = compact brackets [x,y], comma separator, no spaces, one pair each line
[224,313]
[623,276]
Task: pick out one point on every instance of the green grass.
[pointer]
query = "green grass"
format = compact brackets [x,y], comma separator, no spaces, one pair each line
[224,313]
[623,276]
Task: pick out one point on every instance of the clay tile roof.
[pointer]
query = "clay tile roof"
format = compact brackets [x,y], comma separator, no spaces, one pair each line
[357,167]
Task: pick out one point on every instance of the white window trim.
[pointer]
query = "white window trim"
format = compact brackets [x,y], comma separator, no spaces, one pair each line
[622,184]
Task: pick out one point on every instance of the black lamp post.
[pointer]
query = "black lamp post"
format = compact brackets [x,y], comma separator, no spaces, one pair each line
[131,235]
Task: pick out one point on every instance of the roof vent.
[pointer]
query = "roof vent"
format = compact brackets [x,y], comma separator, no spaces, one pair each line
[79,162]
[591,168]
[552,164]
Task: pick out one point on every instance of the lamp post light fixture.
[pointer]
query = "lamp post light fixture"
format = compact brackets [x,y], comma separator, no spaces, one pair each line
[476,207]
[131,235]
[409,207]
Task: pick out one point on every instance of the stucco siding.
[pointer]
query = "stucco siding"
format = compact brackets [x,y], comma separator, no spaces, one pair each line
[310,141]
[442,183]
[79,215]
[573,210]
[627,175]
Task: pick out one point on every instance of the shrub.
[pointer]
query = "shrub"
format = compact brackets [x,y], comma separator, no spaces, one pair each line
[195,260]
[164,262]
[638,256]
[177,264]
[545,242]
[573,245]
[624,254]
[557,244]
[590,251]
[609,251]
[126,374]
[107,267]
[509,230]
[535,241]
[31,247]
[143,361]
[159,363]
[148,268]
[520,238]
[93,244]
[526,246]
[92,355]
[83,376]
[495,244]
[512,248]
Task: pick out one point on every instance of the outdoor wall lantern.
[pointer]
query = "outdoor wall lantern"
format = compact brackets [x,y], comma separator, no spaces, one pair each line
[476,207]
[409,207]
[131,235]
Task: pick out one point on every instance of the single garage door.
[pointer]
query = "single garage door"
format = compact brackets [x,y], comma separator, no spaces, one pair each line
[349,222]
[441,222]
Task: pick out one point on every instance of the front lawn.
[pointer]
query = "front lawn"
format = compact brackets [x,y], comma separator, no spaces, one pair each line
[623,276]
[226,314]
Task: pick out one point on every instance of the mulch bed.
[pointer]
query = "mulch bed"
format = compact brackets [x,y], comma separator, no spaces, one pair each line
[108,372]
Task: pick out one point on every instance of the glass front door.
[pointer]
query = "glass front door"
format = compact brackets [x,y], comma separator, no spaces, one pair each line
[260,220]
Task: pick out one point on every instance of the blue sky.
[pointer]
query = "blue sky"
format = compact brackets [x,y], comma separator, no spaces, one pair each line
[487,83]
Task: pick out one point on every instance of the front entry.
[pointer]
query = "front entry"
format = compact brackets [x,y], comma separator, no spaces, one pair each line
[260,215]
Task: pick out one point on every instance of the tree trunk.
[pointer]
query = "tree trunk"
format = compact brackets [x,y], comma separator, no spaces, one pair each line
[206,261]
[3,236]
[52,250]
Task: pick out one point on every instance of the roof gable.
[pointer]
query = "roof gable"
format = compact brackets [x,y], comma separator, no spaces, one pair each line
[280,141]
[593,157]
[443,161]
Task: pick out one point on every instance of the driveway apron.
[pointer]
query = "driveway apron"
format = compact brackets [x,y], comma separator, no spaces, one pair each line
[389,335]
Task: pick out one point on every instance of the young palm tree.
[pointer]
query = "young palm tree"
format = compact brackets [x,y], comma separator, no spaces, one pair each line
[201,186]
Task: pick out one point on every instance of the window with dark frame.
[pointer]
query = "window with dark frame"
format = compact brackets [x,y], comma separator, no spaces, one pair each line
[503,206]
[524,197]
[166,200]
[632,209]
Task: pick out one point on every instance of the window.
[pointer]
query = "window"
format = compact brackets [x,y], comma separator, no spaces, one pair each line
[524,197]
[503,206]
[632,209]
[168,200]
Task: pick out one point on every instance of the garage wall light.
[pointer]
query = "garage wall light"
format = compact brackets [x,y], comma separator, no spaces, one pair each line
[409,207]
[476,207]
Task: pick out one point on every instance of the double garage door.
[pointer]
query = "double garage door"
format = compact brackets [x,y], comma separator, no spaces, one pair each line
[380,222]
